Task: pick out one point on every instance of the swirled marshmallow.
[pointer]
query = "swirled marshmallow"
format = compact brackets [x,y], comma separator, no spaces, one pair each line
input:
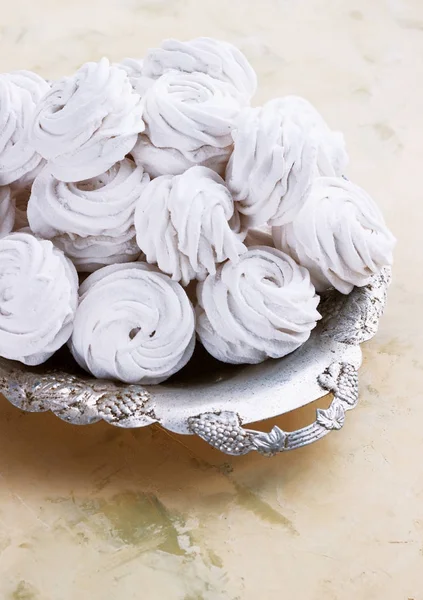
[170,161]
[93,252]
[134,69]
[92,221]
[27,180]
[133,324]
[215,58]
[19,93]
[189,118]
[87,122]
[187,223]
[262,307]
[38,298]
[339,235]
[7,211]
[21,191]
[279,149]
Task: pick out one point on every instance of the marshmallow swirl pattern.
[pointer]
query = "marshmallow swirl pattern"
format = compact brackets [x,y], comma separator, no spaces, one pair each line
[263,306]
[189,118]
[220,60]
[169,161]
[133,324]
[279,149]
[38,298]
[93,252]
[87,122]
[134,69]
[186,224]
[7,211]
[339,235]
[19,93]
[92,220]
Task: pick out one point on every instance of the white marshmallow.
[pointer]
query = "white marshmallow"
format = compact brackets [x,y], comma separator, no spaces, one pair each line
[189,118]
[215,58]
[339,235]
[87,122]
[187,223]
[19,93]
[279,149]
[38,298]
[21,191]
[169,161]
[133,324]
[134,69]
[91,221]
[263,306]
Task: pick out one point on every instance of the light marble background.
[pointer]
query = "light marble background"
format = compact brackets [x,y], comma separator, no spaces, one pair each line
[96,512]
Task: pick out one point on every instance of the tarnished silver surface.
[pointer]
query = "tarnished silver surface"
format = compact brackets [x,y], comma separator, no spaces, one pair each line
[213,400]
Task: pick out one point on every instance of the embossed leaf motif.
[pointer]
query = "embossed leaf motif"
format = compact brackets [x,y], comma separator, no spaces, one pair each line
[332,417]
[270,443]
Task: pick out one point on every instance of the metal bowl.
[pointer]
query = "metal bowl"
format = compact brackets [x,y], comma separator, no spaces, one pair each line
[214,400]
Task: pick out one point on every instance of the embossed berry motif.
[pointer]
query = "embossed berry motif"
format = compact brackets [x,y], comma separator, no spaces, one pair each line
[124,407]
[78,400]
[222,431]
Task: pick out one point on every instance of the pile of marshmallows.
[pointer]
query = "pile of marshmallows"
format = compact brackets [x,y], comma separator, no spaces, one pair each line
[194,214]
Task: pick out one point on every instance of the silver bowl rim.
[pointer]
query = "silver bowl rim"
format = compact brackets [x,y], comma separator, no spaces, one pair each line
[249,394]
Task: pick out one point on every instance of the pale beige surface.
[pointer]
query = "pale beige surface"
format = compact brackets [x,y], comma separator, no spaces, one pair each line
[96,512]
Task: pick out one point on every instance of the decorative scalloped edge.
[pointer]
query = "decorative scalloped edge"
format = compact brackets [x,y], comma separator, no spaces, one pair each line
[77,400]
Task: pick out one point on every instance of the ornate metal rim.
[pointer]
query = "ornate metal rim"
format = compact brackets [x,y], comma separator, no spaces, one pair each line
[216,412]
[224,432]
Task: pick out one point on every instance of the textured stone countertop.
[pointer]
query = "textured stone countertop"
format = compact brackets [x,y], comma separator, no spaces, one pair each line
[96,512]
